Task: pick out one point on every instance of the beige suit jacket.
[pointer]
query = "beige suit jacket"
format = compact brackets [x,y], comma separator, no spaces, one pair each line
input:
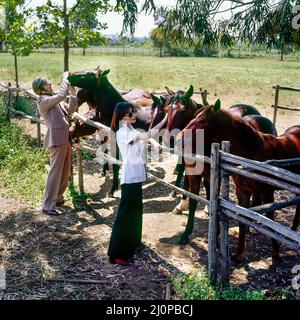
[55,119]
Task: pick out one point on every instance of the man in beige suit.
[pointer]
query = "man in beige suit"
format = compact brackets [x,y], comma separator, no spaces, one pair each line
[57,138]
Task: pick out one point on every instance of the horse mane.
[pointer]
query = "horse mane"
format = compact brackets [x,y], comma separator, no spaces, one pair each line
[250,143]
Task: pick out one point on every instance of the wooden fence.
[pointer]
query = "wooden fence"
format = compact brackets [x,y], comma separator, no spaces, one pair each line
[223,165]
[276,105]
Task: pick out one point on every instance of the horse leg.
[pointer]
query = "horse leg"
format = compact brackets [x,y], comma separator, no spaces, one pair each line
[115,183]
[296,220]
[268,197]
[194,182]
[183,204]
[207,190]
[244,201]
[179,171]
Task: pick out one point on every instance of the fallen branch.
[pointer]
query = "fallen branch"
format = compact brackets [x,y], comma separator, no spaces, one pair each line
[83,281]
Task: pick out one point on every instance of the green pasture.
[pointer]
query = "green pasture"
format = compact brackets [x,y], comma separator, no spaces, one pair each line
[232,80]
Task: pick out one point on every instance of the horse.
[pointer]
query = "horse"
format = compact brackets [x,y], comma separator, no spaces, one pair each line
[102,97]
[180,114]
[220,125]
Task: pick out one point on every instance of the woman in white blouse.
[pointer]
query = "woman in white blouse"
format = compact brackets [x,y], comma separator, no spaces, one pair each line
[127,229]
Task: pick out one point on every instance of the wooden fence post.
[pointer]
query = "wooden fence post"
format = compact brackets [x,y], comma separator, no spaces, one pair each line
[80,171]
[38,129]
[71,176]
[8,103]
[224,221]
[213,213]
[276,104]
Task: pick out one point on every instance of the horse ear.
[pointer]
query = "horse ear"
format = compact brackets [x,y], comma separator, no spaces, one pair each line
[105,73]
[217,105]
[170,92]
[189,92]
[163,100]
[199,106]
[155,99]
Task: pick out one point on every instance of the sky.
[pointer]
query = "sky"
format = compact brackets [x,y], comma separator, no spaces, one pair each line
[114,20]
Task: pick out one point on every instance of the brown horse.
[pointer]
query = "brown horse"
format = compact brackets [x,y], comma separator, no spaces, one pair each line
[220,125]
[182,109]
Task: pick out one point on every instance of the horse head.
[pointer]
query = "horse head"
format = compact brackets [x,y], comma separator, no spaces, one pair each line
[157,108]
[181,109]
[211,119]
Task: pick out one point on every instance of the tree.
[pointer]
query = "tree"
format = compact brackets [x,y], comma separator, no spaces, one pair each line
[158,38]
[267,24]
[257,21]
[19,36]
[77,25]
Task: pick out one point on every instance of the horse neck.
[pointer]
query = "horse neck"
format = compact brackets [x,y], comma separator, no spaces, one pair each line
[250,143]
[107,98]
[244,140]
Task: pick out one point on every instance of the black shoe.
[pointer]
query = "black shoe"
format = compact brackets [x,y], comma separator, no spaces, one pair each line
[51,212]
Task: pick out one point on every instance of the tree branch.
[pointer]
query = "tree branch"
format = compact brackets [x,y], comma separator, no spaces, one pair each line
[74,7]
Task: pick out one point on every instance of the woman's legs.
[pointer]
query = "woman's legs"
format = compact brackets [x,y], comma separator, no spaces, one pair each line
[127,229]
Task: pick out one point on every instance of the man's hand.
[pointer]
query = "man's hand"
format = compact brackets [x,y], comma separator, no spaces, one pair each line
[72,90]
[65,76]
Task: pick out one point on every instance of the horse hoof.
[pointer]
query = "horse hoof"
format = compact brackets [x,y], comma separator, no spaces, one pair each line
[237,258]
[173,194]
[276,256]
[206,209]
[183,240]
[177,211]
[109,195]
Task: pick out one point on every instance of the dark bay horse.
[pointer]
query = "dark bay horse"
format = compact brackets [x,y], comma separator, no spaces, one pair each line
[220,125]
[102,97]
[181,111]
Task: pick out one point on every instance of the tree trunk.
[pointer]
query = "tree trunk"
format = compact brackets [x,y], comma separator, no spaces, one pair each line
[66,39]
[16,74]
[83,51]
[281,53]
[160,51]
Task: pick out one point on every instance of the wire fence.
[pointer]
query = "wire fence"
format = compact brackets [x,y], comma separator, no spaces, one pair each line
[139,51]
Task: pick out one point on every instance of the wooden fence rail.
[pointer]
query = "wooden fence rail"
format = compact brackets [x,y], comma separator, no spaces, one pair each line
[276,105]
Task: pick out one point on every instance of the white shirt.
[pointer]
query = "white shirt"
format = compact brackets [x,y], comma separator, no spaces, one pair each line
[134,165]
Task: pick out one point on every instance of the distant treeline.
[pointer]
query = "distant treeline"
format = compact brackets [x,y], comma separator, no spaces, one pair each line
[178,52]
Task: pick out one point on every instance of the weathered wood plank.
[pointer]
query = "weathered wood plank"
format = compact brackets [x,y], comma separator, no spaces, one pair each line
[262,167]
[261,178]
[258,218]
[213,213]
[224,223]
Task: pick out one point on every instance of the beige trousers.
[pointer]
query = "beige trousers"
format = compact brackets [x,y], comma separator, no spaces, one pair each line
[58,177]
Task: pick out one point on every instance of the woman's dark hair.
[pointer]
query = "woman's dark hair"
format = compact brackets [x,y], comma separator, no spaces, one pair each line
[121,109]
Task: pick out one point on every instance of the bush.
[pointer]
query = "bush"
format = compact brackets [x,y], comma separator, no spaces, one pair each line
[196,286]
[201,51]
[22,167]
[177,52]
[25,105]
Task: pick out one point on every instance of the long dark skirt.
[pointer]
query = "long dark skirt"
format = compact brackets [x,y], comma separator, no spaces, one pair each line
[127,229]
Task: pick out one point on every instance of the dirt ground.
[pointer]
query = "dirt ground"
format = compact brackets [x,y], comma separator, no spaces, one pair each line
[60,257]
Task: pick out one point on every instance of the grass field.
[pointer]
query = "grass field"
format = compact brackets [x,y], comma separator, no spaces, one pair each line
[233,80]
